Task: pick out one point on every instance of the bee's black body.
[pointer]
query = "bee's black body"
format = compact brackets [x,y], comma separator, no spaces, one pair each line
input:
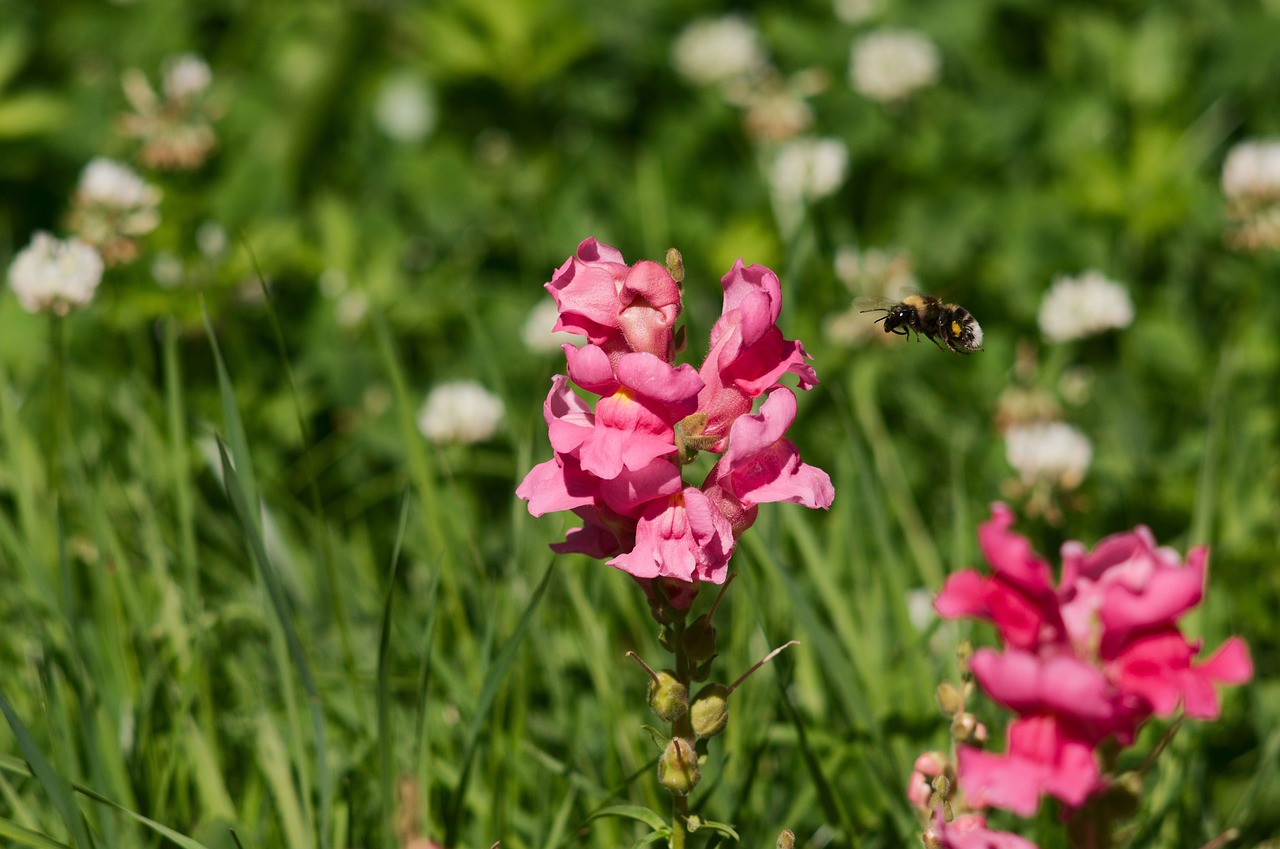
[946,325]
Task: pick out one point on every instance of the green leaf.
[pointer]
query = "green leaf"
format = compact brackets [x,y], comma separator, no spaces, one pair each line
[57,786]
[633,812]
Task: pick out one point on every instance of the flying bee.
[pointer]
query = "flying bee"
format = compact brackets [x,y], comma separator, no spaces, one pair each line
[942,324]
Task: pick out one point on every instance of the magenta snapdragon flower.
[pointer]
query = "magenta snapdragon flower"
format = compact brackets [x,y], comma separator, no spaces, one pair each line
[1085,662]
[618,466]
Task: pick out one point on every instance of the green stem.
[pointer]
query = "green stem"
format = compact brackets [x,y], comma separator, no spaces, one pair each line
[682,727]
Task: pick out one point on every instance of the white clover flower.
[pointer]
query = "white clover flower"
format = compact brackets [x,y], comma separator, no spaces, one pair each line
[870,275]
[809,169]
[211,239]
[54,275]
[405,108]
[537,333]
[112,207]
[186,77]
[113,184]
[460,411]
[710,51]
[890,64]
[1252,169]
[1051,452]
[854,11]
[1075,307]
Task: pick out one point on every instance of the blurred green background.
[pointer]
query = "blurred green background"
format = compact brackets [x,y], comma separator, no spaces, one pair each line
[407,175]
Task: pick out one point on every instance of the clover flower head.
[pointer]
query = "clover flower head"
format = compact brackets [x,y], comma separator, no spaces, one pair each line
[854,11]
[1252,169]
[405,108]
[809,169]
[891,64]
[54,275]
[1048,451]
[112,207]
[174,127]
[186,76]
[618,466]
[1251,185]
[461,412]
[1091,303]
[713,51]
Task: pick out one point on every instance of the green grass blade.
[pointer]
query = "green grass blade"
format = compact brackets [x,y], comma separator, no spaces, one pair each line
[57,786]
[253,537]
[493,680]
[236,438]
[26,837]
[383,694]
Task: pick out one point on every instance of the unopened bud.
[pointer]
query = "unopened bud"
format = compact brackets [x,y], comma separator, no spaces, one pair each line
[700,639]
[1122,796]
[709,711]
[965,728]
[786,840]
[949,699]
[678,767]
[675,265]
[963,653]
[668,697]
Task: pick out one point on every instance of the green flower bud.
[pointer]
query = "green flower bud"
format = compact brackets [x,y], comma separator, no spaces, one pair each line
[668,697]
[700,639]
[949,699]
[709,712]
[678,767]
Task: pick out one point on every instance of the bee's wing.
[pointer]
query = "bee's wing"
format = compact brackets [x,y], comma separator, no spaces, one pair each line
[874,303]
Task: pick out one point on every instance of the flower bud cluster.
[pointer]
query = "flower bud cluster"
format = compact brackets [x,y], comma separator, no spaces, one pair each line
[618,466]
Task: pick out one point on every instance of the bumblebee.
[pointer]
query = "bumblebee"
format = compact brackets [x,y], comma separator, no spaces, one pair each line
[942,324]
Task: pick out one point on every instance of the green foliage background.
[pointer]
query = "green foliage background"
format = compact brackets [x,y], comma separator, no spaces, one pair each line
[275,672]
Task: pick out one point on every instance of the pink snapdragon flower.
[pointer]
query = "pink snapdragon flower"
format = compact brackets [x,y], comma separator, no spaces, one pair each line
[1086,661]
[617,466]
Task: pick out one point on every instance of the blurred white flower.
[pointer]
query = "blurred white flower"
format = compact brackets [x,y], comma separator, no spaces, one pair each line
[710,51]
[809,169]
[1252,168]
[537,333]
[870,275]
[211,239]
[167,269]
[890,64]
[1251,183]
[186,76]
[854,11]
[174,130]
[55,275]
[114,184]
[112,207]
[1091,303]
[1053,453]
[405,108]
[351,309]
[460,411]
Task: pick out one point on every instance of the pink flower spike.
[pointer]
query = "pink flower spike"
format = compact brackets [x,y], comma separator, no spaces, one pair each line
[569,419]
[1041,758]
[969,831]
[682,537]
[618,308]
[1060,684]
[1158,668]
[761,465]
[636,424]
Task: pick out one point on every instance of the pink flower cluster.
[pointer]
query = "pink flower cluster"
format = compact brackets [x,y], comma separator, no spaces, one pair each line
[618,468]
[1084,662]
